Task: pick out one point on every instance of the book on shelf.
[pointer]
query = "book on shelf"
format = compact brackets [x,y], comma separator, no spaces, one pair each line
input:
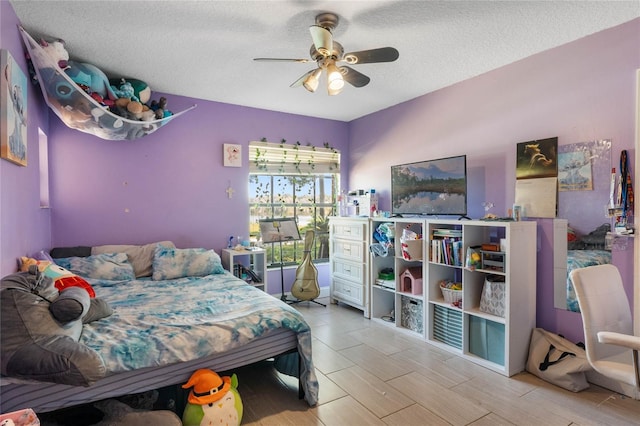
[447,251]
[446,232]
[386,283]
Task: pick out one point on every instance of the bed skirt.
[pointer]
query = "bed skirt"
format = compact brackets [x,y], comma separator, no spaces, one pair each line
[44,397]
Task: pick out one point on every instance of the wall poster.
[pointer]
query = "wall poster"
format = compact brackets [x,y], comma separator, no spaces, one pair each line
[13,110]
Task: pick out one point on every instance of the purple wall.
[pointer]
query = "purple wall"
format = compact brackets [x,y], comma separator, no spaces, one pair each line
[170,184]
[24,226]
[579,92]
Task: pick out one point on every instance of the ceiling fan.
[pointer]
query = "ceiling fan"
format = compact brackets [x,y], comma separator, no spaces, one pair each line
[328,54]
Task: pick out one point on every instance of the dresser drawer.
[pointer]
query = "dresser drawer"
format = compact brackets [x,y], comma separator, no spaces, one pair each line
[348,270]
[347,291]
[348,249]
[348,230]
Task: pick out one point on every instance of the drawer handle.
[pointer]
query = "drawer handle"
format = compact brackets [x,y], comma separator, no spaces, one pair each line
[347,270]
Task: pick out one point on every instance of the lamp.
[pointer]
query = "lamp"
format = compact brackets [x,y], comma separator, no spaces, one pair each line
[335,82]
[277,231]
[311,82]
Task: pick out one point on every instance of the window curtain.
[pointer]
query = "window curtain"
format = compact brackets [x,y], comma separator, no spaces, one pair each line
[292,159]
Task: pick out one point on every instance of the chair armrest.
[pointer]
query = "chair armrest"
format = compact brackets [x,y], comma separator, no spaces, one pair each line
[619,339]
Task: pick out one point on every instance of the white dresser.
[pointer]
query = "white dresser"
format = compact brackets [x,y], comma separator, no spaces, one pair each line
[349,261]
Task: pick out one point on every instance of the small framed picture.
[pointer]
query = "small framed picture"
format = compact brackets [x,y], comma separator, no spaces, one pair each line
[13,110]
[232,154]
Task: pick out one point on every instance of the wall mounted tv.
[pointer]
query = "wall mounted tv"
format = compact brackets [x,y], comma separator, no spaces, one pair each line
[432,187]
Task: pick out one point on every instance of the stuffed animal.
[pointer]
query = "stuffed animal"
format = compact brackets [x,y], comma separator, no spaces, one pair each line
[89,77]
[36,340]
[124,90]
[131,88]
[119,413]
[160,108]
[62,278]
[56,51]
[214,400]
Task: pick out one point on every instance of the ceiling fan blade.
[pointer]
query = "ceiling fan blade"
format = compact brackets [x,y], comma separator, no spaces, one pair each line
[301,80]
[301,61]
[383,54]
[353,77]
[322,39]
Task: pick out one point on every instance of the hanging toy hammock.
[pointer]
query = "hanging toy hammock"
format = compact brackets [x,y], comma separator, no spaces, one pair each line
[76,108]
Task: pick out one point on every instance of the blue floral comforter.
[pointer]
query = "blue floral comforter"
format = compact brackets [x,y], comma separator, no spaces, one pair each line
[581,259]
[163,322]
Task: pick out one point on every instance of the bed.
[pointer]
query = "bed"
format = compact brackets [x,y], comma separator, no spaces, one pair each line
[162,330]
[587,250]
[581,259]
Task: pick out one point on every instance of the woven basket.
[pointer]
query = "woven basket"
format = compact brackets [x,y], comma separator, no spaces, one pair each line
[451,296]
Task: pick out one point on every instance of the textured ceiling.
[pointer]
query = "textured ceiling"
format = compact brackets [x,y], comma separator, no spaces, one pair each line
[205,49]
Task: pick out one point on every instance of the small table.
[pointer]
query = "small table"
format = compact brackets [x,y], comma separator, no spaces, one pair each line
[242,262]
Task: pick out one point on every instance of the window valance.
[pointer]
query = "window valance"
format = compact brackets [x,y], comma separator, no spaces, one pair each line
[282,158]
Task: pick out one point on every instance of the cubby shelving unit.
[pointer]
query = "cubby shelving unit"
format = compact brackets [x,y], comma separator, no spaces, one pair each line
[418,307]
[496,342]
[402,303]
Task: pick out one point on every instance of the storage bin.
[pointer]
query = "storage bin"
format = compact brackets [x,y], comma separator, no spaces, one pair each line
[451,295]
[447,326]
[486,339]
[412,249]
[492,300]
[411,315]
[493,260]
[25,417]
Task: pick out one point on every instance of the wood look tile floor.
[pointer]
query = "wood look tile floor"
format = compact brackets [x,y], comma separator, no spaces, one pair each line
[370,374]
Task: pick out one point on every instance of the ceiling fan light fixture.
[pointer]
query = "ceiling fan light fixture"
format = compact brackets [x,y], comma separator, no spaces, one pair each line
[311,82]
[334,78]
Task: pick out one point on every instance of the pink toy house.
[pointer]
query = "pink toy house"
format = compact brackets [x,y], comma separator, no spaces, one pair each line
[411,280]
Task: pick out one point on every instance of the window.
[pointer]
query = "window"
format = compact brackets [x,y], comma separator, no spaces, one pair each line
[43,148]
[293,181]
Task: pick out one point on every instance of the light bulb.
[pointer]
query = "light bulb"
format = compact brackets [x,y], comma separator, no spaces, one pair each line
[335,82]
[311,82]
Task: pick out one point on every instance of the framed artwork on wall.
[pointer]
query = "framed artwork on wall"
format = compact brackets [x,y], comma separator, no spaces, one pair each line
[232,154]
[13,110]
[574,170]
[537,159]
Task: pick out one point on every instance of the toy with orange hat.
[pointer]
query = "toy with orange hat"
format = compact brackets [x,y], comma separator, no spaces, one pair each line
[213,400]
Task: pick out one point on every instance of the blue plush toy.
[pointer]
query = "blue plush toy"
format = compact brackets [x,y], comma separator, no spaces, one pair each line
[125,90]
[90,77]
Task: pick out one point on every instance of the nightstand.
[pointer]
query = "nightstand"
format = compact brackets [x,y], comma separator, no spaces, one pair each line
[255,260]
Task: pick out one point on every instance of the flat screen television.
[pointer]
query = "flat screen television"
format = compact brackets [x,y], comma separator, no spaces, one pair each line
[432,187]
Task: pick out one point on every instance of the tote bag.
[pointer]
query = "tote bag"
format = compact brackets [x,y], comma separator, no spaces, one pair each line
[557,360]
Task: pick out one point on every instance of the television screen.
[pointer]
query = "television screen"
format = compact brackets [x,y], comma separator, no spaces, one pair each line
[433,187]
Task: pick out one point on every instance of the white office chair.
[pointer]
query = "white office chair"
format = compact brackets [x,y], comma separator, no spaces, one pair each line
[612,349]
